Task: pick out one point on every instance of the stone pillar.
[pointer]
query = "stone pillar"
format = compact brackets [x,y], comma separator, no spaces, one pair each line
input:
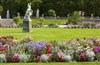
[27,26]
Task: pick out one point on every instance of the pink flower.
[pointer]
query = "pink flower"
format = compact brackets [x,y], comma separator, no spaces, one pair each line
[16,58]
[49,55]
[48,48]
[38,58]
[97,49]
[83,56]
[2,49]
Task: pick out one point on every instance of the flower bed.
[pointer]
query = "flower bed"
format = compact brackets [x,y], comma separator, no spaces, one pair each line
[27,50]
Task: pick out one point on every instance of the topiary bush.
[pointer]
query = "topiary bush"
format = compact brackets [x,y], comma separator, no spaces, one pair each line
[75,18]
[17,20]
[51,12]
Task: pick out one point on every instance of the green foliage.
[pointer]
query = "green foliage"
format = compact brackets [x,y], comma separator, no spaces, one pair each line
[88,6]
[63,47]
[54,43]
[1,9]
[17,20]
[37,3]
[52,25]
[51,12]
[54,58]
[41,19]
[76,57]
[89,24]
[98,56]
[75,18]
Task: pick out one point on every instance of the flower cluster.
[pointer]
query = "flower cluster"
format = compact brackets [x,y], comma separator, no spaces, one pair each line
[28,50]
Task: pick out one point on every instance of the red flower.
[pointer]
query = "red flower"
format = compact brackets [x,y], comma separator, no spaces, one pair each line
[16,58]
[83,56]
[3,37]
[2,49]
[48,48]
[38,58]
[60,58]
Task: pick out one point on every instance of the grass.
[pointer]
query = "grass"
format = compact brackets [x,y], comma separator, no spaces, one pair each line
[72,63]
[49,21]
[51,33]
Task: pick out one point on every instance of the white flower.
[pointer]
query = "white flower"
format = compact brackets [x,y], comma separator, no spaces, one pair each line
[44,58]
[70,52]
[67,58]
[23,57]
[2,58]
[90,53]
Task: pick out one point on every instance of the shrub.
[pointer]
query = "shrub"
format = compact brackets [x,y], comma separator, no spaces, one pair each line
[17,20]
[41,19]
[52,25]
[86,25]
[89,25]
[93,25]
[75,18]
[51,12]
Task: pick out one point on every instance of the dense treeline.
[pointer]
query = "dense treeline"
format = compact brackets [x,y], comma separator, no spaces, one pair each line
[61,7]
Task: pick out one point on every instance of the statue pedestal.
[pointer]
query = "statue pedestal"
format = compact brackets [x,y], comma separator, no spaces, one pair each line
[27,26]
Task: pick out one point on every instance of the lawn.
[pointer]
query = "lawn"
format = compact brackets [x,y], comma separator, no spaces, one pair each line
[72,63]
[49,21]
[51,33]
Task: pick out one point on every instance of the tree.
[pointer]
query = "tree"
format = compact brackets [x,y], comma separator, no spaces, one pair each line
[51,12]
[62,7]
[75,18]
[37,3]
[1,9]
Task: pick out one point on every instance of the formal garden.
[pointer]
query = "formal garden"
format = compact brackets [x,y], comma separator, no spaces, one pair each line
[49,32]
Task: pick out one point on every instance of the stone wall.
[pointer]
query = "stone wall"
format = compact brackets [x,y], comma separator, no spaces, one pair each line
[7,22]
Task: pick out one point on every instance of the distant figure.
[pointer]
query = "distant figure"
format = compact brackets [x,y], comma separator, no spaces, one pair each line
[29,12]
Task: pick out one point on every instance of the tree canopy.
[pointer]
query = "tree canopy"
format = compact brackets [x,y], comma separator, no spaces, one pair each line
[61,7]
[1,9]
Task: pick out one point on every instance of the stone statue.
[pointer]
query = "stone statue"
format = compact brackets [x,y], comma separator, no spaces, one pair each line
[92,16]
[18,14]
[29,12]
[0,17]
[8,15]
[37,13]
[27,23]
